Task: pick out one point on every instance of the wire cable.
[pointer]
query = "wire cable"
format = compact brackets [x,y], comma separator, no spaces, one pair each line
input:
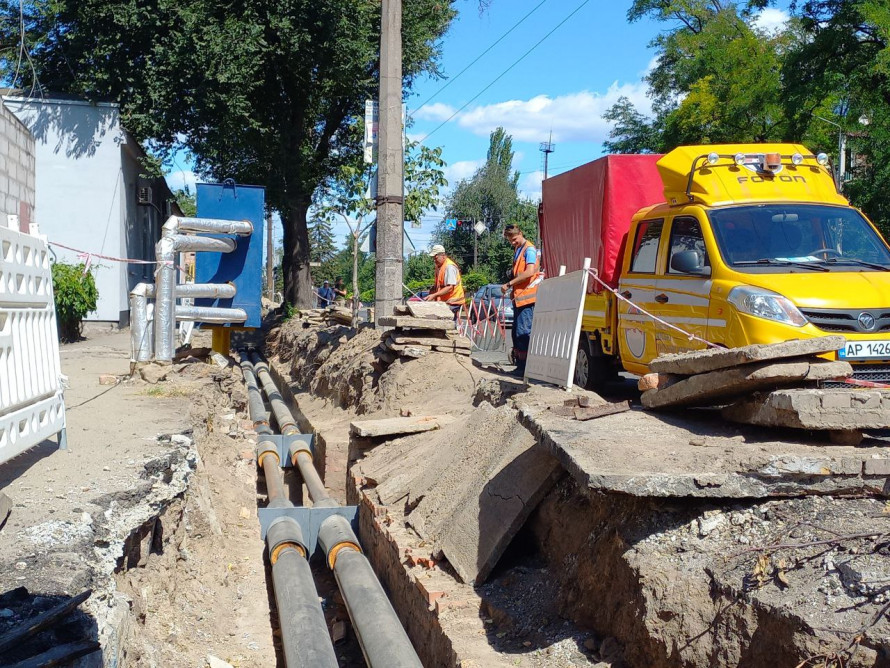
[501,75]
[478,58]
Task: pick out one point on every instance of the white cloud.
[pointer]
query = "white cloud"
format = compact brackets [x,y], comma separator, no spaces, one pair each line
[462,169]
[437,111]
[573,117]
[530,185]
[771,20]
[179,179]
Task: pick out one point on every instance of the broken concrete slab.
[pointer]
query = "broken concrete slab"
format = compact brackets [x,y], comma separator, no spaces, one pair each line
[714,386]
[437,310]
[398,426]
[416,323]
[592,412]
[702,361]
[835,409]
[698,454]
[429,339]
[469,486]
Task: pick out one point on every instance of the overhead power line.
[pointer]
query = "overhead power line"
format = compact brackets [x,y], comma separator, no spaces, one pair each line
[478,58]
[501,75]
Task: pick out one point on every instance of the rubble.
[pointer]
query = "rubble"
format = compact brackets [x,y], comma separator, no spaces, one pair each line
[724,384]
[702,361]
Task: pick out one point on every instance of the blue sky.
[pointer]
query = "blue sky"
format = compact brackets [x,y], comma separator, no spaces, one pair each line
[563,86]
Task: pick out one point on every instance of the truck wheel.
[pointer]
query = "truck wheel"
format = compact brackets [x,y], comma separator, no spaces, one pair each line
[592,368]
[584,366]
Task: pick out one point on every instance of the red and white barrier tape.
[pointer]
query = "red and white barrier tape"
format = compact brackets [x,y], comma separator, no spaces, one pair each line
[618,295]
[863,383]
[87,257]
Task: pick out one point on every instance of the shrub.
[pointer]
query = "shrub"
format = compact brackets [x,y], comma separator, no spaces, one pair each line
[473,280]
[75,294]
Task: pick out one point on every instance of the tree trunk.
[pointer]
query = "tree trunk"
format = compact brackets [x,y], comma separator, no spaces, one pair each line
[295,263]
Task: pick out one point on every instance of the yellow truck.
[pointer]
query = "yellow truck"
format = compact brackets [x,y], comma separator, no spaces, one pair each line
[725,245]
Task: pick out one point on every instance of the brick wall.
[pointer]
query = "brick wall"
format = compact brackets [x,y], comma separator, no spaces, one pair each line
[17,175]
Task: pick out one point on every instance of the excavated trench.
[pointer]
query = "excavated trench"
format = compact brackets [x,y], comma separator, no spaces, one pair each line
[611,578]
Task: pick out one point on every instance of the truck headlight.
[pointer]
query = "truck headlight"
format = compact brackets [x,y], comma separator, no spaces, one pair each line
[766,304]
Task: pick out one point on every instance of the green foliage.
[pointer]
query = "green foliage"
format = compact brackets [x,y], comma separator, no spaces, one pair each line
[187,202]
[322,249]
[490,196]
[74,289]
[270,93]
[420,269]
[473,280]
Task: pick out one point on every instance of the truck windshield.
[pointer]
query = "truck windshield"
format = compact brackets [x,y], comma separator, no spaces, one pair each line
[774,237]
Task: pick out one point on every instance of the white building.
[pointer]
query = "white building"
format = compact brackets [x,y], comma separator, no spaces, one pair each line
[90,196]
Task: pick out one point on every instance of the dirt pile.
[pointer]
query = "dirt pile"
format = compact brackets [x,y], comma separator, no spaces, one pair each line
[340,365]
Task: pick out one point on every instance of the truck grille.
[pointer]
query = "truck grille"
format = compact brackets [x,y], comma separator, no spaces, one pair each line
[876,373]
[843,320]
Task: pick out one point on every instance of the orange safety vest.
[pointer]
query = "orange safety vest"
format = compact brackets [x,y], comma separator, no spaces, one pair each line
[457,293]
[524,293]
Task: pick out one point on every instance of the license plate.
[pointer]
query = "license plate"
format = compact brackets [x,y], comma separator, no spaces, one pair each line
[861,350]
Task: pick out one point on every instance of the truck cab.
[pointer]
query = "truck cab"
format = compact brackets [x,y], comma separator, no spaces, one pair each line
[752,244]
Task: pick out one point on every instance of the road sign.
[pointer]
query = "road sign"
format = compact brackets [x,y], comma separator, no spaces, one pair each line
[479,227]
[372,116]
[450,224]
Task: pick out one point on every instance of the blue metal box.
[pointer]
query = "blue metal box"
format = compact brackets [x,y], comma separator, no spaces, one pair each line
[244,266]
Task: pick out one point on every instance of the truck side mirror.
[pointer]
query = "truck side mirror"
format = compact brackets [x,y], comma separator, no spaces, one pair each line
[689,262]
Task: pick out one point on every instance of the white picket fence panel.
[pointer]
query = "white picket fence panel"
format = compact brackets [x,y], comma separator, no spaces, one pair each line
[32,407]
[556,328]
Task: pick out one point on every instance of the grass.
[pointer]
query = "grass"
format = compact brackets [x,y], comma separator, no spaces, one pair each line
[166,392]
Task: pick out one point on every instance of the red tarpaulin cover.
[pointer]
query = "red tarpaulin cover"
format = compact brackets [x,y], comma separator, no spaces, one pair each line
[586,212]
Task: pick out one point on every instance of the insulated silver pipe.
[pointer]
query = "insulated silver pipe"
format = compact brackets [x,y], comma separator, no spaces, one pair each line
[206,290]
[212,314]
[211,225]
[184,243]
[141,338]
[283,416]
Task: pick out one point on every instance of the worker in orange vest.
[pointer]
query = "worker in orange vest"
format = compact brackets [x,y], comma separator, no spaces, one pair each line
[449,287]
[524,280]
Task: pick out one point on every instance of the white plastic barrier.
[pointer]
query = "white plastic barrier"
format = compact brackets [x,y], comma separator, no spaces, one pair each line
[556,328]
[32,408]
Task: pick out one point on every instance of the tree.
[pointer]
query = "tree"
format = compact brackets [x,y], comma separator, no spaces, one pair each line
[717,79]
[322,248]
[848,85]
[262,92]
[490,196]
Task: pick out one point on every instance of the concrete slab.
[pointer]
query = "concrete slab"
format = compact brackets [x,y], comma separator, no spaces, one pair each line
[398,426]
[696,454]
[416,323]
[702,361]
[430,339]
[714,386]
[840,409]
[438,310]
[469,487]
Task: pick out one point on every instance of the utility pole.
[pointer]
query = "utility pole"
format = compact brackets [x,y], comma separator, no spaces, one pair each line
[841,159]
[547,148]
[475,238]
[390,164]
[270,264]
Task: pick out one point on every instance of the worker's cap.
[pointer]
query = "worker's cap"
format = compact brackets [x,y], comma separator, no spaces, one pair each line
[326,282]
[437,250]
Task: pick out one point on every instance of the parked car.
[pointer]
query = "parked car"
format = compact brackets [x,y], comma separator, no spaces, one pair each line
[418,297]
[489,300]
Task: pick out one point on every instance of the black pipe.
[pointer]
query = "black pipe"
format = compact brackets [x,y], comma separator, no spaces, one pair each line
[305,639]
[382,638]
[283,416]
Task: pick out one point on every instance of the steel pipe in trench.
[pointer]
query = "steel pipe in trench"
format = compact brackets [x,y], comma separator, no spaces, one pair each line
[305,640]
[285,419]
[383,639]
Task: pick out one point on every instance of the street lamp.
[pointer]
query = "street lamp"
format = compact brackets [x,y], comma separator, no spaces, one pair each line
[841,150]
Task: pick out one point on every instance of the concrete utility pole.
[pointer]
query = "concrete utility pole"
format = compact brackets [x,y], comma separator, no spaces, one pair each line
[390,164]
[270,264]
